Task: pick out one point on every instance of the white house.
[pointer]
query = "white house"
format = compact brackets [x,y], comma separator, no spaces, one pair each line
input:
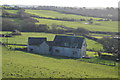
[38,45]
[69,46]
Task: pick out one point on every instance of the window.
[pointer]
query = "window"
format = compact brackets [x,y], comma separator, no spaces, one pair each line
[74,52]
[50,49]
[66,44]
[75,45]
[57,51]
[31,49]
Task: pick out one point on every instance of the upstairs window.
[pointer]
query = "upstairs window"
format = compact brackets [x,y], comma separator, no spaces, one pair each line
[74,45]
[57,51]
[74,52]
[66,44]
[31,49]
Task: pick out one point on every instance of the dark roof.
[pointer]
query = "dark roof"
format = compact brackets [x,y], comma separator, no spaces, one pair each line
[50,43]
[68,41]
[36,40]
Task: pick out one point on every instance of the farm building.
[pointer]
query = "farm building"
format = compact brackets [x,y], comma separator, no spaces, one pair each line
[69,46]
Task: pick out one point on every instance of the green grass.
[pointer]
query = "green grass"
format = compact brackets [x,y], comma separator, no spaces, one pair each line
[54,14]
[0,62]
[12,11]
[94,45]
[105,26]
[95,58]
[99,36]
[18,64]
[23,39]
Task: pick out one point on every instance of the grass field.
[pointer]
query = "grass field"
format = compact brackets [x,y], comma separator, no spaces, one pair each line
[18,64]
[12,11]
[99,36]
[54,14]
[107,26]
[0,62]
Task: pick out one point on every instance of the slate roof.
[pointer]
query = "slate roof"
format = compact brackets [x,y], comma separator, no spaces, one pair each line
[68,41]
[61,41]
[50,43]
[36,40]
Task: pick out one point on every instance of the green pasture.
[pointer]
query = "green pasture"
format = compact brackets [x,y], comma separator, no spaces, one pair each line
[99,36]
[23,39]
[18,64]
[107,26]
[95,34]
[94,45]
[12,11]
[54,14]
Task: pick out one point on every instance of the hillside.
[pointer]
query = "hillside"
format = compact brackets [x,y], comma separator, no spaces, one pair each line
[44,22]
[18,64]
[54,14]
[103,26]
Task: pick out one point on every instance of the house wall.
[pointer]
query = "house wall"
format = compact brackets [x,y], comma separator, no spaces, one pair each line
[83,49]
[69,52]
[40,49]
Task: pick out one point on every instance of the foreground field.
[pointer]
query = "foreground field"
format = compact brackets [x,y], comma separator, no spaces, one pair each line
[18,64]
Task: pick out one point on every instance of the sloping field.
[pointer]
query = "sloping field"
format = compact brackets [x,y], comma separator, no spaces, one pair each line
[54,14]
[12,11]
[105,26]
[18,64]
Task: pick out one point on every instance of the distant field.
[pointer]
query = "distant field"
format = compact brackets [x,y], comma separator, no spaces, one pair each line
[18,64]
[12,11]
[24,39]
[106,26]
[54,14]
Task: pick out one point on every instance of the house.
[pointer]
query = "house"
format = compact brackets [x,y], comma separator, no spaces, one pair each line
[70,46]
[16,32]
[38,45]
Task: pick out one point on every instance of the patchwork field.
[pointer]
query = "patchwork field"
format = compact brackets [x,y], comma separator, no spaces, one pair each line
[21,64]
[107,26]
[54,14]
